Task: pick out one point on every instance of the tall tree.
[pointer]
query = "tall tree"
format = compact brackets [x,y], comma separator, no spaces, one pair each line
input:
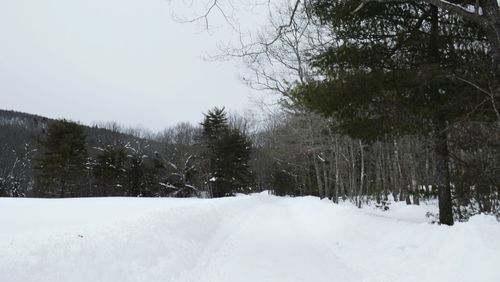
[394,69]
[63,163]
[227,152]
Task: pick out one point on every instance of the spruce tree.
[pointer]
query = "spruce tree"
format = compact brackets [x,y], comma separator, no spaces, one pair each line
[227,153]
[62,167]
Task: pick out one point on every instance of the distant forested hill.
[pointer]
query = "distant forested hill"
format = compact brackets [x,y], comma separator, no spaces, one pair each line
[20,135]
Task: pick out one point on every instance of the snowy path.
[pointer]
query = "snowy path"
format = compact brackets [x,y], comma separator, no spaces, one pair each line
[248,238]
[269,244]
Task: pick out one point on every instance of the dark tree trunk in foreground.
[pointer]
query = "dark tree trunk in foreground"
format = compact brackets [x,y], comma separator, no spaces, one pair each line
[443,179]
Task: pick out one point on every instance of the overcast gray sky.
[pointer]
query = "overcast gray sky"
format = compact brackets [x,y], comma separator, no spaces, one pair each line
[111,60]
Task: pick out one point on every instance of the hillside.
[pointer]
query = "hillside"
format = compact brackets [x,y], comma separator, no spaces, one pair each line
[19,147]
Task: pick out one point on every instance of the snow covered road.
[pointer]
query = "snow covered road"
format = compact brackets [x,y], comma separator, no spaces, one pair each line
[245,238]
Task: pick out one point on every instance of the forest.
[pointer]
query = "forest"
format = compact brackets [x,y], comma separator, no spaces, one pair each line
[294,153]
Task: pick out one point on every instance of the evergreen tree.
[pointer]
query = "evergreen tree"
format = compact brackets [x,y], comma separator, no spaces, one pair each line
[215,126]
[399,69]
[232,161]
[63,163]
[227,152]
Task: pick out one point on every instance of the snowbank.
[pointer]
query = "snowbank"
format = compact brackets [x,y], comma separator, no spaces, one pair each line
[245,238]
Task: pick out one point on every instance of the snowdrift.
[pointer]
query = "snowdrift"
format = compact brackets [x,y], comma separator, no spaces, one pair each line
[245,238]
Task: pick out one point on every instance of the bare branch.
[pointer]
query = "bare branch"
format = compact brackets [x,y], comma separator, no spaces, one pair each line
[279,31]
[473,85]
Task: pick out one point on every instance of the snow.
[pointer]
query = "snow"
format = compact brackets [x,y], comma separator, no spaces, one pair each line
[245,238]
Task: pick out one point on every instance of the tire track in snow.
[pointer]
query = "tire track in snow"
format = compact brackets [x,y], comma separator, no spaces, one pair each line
[270,244]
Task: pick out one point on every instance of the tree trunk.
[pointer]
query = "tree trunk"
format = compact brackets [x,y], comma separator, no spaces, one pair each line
[337,171]
[352,173]
[327,183]
[362,173]
[317,172]
[443,179]
[416,199]
[413,180]
[378,178]
[491,13]
[441,135]
[302,190]
[383,173]
[398,175]
[63,188]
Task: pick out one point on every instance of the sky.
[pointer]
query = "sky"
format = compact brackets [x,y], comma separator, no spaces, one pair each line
[127,61]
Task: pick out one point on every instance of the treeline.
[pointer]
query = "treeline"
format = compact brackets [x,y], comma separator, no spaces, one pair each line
[290,152]
[301,153]
[60,158]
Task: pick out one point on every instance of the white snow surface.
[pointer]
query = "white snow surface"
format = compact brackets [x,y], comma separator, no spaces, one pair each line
[253,238]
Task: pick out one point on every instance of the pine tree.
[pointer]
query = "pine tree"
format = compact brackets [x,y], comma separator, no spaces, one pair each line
[399,69]
[227,152]
[63,163]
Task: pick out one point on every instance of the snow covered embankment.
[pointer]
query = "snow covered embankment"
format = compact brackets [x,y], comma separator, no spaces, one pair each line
[246,238]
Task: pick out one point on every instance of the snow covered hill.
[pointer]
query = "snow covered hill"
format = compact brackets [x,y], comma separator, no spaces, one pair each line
[253,238]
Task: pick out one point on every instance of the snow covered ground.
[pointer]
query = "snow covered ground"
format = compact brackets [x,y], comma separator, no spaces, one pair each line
[253,238]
